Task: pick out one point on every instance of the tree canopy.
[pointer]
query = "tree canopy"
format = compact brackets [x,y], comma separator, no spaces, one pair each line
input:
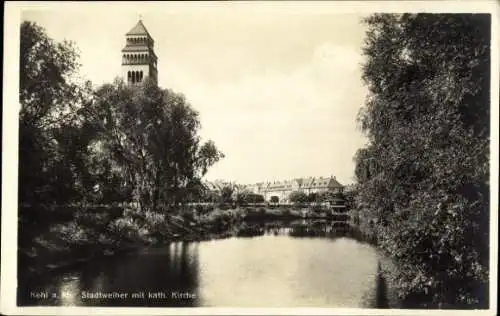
[424,177]
[298,197]
[274,199]
[53,130]
[115,143]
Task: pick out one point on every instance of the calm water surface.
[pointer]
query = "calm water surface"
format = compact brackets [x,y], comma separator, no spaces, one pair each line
[281,268]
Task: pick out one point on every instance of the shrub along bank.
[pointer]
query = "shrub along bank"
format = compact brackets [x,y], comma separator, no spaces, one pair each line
[70,234]
[76,234]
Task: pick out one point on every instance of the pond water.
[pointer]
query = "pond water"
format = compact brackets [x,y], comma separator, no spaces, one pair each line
[283,266]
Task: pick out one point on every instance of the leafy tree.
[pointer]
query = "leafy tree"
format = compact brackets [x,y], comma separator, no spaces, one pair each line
[227,194]
[255,198]
[194,191]
[274,199]
[258,198]
[211,196]
[151,135]
[241,198]
[313,197]
[53,128]
[350,198]
[424,177]
[244,197]
[330,196]
[298,197]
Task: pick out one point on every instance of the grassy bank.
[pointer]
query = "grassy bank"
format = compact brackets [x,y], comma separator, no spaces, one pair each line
[69,235]
[55,237]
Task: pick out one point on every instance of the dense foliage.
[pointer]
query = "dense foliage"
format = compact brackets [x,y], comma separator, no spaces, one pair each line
[246,197]
[119,143]
[150,136]
[53,133]
[99,169]
[423,180]
[298,197]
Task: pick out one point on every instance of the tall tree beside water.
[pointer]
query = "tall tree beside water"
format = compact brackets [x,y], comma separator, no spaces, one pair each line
[423,180]
[53,130]
[151,137]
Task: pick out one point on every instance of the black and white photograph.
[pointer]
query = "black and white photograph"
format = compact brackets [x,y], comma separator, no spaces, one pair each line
[329,156]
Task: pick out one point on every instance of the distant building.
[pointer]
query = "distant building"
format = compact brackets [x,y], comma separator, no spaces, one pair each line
[282,189]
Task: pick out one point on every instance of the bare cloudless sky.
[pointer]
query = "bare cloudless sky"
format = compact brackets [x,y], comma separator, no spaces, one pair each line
[277,87]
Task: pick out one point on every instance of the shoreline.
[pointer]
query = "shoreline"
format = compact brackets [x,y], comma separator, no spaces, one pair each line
[61,260]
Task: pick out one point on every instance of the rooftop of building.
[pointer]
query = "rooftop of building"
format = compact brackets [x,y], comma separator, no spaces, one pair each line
[306,182]
[138,29]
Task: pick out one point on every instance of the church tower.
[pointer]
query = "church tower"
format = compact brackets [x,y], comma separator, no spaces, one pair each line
[138,57]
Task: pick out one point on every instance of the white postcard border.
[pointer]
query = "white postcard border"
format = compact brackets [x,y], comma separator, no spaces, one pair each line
[10,142]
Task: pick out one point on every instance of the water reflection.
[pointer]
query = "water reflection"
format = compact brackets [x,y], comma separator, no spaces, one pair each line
[68,289]
[382,300]
[270,264]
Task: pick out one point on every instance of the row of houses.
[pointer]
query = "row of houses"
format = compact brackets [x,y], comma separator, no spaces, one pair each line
[281,189]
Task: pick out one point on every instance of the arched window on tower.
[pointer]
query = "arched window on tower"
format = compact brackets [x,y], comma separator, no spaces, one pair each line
[133,76]
[140,76]
[129,76]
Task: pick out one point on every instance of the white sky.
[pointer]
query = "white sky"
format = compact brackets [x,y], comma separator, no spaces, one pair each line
[277,87]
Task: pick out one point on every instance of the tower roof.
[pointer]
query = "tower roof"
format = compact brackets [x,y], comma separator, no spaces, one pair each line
[138,29]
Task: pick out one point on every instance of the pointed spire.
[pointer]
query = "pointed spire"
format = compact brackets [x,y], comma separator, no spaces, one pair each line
[138,29]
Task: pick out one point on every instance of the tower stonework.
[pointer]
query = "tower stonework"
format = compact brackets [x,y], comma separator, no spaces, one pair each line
[138,57]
